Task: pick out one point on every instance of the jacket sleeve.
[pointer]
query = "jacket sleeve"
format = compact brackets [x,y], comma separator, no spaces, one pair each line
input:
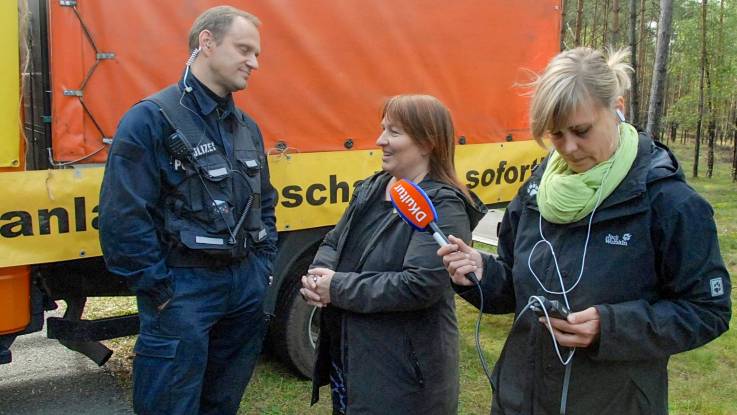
[497,284]
[128,204]
[268,248]
[694,305]
[422,280]
[327,253]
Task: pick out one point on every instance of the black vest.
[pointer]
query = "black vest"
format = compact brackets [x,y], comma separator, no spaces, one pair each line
[203,224]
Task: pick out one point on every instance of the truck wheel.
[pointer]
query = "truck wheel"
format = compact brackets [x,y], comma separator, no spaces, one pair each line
[296,329]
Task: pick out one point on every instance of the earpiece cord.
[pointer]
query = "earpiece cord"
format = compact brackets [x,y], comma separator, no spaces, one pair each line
[564,292]
[188,89]
[568,362]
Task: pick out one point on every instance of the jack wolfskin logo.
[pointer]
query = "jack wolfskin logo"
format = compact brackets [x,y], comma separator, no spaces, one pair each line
[616,240]
[717,287]
[532,189]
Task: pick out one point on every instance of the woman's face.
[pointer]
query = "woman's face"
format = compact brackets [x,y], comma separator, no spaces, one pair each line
[402,157]
[589,137]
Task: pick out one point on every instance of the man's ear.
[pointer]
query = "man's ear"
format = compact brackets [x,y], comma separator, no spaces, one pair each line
[207,41]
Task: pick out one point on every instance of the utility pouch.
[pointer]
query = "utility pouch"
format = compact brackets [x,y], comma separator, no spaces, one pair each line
[252,166]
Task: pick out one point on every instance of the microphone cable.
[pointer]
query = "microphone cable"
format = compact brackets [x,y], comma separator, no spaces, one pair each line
[482,358]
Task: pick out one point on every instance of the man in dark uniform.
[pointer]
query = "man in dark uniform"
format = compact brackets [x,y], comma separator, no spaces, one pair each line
[187,216]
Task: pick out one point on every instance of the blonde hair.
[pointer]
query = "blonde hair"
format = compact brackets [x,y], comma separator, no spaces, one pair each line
[217,20]
[575,77]
[428,123]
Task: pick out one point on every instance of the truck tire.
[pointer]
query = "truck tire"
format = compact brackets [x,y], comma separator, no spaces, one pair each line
[296,327]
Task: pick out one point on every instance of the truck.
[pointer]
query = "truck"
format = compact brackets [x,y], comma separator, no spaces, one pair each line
[71,68]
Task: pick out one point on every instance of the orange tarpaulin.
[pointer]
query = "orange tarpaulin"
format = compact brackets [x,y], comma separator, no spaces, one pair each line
[326,66]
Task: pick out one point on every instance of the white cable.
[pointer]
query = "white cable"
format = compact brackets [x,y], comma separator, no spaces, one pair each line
[564,292]
[539,300]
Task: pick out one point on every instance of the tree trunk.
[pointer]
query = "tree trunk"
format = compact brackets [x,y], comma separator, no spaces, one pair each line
[673,132]
[712,122]
[563,4]
[641,58]
[615,22]
[734,148]
[595,24]
[634,95]
[605,29]
[710,154]
[701,90]
[659,69]
[579,23]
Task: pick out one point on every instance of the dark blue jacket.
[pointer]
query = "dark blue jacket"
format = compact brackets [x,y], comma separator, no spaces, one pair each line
[139,170]
[653,270]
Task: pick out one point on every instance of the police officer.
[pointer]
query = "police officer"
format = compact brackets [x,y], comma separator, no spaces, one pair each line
[187,217]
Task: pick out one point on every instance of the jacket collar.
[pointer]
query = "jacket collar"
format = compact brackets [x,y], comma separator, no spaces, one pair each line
[653,162]
[378,183]
[205,101]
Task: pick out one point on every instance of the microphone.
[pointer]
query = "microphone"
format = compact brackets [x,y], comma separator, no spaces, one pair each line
[415,207]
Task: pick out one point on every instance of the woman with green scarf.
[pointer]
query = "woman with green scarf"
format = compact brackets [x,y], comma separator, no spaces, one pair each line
[608,259]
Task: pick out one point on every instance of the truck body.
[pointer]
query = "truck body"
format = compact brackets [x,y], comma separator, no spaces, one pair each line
[325,71]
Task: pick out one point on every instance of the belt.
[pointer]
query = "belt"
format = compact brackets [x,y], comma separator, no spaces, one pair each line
[187,258]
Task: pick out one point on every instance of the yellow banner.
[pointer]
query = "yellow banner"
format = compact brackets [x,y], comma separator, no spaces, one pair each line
[9,86]
[314,188]
[52,215]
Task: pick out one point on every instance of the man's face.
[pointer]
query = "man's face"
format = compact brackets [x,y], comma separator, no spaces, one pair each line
[235,57]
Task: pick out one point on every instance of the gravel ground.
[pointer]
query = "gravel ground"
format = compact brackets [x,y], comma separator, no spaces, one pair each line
[47,378]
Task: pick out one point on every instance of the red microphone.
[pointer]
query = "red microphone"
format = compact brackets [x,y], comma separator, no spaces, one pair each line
[416,208]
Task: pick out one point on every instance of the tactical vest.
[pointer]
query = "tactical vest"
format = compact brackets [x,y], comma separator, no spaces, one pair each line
[202,224]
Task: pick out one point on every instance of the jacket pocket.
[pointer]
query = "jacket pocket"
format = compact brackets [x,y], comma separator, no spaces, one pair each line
[415,363]
[154,373]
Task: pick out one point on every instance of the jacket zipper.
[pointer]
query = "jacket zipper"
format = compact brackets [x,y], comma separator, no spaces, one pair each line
[415,364]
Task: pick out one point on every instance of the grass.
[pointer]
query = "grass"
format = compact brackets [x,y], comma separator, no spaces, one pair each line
[702,381]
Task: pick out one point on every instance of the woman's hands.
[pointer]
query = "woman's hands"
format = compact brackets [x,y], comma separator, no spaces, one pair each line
[316,286]
[460,259]
[581,329]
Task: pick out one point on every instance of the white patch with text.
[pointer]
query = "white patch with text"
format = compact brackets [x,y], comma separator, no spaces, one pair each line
[616,240]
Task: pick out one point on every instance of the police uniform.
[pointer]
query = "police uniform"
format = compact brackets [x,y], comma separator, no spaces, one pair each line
[187,216]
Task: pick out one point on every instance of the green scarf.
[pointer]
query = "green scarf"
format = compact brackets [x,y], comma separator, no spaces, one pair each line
[566,196]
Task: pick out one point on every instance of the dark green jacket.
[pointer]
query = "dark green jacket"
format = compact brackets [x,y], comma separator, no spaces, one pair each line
[399,332]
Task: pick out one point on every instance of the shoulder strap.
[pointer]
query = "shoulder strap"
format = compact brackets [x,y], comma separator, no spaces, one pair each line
[168,101]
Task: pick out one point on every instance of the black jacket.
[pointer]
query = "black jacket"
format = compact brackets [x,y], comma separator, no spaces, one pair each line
[399,335]
[653,270]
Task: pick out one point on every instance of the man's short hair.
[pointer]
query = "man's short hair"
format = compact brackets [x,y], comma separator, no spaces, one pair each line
[217,20]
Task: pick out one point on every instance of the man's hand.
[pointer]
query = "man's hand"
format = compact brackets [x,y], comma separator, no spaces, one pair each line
[460,259]
[581,329]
